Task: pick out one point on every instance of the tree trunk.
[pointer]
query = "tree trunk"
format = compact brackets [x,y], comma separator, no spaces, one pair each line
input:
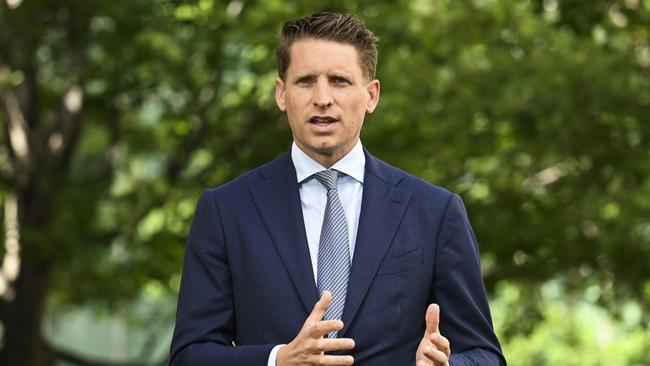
[23,340]
[22,316]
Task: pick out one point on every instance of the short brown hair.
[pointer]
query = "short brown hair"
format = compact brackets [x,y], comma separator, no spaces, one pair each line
[337,27]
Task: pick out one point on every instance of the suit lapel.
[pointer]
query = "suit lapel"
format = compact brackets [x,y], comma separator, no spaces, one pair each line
[278,202]
[382,207]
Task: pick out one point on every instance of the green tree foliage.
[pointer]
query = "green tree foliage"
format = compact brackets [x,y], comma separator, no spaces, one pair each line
[536,112]
[575,332]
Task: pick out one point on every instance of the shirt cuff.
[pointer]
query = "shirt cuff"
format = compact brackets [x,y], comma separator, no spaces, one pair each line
[273,354]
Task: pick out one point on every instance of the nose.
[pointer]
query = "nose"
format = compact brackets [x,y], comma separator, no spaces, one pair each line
[322,95]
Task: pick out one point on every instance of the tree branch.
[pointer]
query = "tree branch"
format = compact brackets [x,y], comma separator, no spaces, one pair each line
[16,131]
[61,141]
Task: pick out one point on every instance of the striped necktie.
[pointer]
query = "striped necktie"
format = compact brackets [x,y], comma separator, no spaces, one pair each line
[333,249]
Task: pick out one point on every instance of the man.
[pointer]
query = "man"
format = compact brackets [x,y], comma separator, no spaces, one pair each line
[328,256]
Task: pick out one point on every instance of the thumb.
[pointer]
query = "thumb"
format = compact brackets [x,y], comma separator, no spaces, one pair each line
[433,318]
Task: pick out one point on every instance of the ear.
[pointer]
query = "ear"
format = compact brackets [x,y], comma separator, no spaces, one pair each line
[279,94]
[373,92]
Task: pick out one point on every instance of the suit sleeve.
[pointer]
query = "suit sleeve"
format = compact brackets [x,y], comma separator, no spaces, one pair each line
[205,318]
[458,288]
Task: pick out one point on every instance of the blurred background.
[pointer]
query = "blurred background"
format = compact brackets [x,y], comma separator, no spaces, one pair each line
[117,114]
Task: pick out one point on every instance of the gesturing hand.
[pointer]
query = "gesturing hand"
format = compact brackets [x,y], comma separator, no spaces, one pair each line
[309,346]
[434,349]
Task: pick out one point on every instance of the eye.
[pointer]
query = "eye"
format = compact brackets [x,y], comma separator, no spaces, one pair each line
[340,81]
[304,81]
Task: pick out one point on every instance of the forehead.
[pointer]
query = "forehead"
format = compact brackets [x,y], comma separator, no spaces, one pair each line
[309,56]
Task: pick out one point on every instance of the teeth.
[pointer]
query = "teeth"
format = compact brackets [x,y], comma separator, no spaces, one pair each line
[322,119]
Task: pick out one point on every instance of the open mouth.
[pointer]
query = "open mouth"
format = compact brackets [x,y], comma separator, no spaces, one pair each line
[322,120]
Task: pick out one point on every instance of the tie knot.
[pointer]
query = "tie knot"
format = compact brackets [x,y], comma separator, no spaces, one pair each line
[327,178]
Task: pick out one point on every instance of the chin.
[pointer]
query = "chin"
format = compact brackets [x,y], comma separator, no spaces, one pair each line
[326,149]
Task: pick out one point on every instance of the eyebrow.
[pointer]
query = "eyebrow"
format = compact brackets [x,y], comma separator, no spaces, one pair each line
[303,76]
[342,76]
[329,76]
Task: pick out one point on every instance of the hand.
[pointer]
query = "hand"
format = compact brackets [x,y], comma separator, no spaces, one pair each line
[434,349]
[309,346]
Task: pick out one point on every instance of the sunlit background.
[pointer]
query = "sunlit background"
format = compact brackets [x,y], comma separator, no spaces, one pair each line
[117,114]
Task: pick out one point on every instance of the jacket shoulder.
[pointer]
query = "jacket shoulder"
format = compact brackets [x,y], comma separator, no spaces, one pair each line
[421,188]
[240,185]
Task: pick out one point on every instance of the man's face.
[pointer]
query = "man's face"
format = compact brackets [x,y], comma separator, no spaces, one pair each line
[326,97]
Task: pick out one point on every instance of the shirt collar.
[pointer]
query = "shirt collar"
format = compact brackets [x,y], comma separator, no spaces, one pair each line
[352,164]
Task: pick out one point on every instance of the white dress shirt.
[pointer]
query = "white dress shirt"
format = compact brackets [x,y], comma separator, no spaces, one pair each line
[313,199]
[313,195]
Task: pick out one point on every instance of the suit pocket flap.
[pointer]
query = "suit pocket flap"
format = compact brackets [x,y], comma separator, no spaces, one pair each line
[401,263]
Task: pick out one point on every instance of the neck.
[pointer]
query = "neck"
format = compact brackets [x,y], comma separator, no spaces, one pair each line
[327,158]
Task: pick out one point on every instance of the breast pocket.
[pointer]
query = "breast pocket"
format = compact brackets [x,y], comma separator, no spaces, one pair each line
[401,263]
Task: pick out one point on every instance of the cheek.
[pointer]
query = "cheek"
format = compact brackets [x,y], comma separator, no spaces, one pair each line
[293,97]
[356,102]
[293,107]
[358,109]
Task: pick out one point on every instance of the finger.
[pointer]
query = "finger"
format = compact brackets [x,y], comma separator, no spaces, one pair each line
[334,360]
[320,308]
[336,344]
[441,343]
[435,355]
[432,318]
[323,327]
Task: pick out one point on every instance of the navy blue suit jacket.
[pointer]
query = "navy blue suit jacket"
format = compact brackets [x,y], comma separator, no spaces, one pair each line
[248,283]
